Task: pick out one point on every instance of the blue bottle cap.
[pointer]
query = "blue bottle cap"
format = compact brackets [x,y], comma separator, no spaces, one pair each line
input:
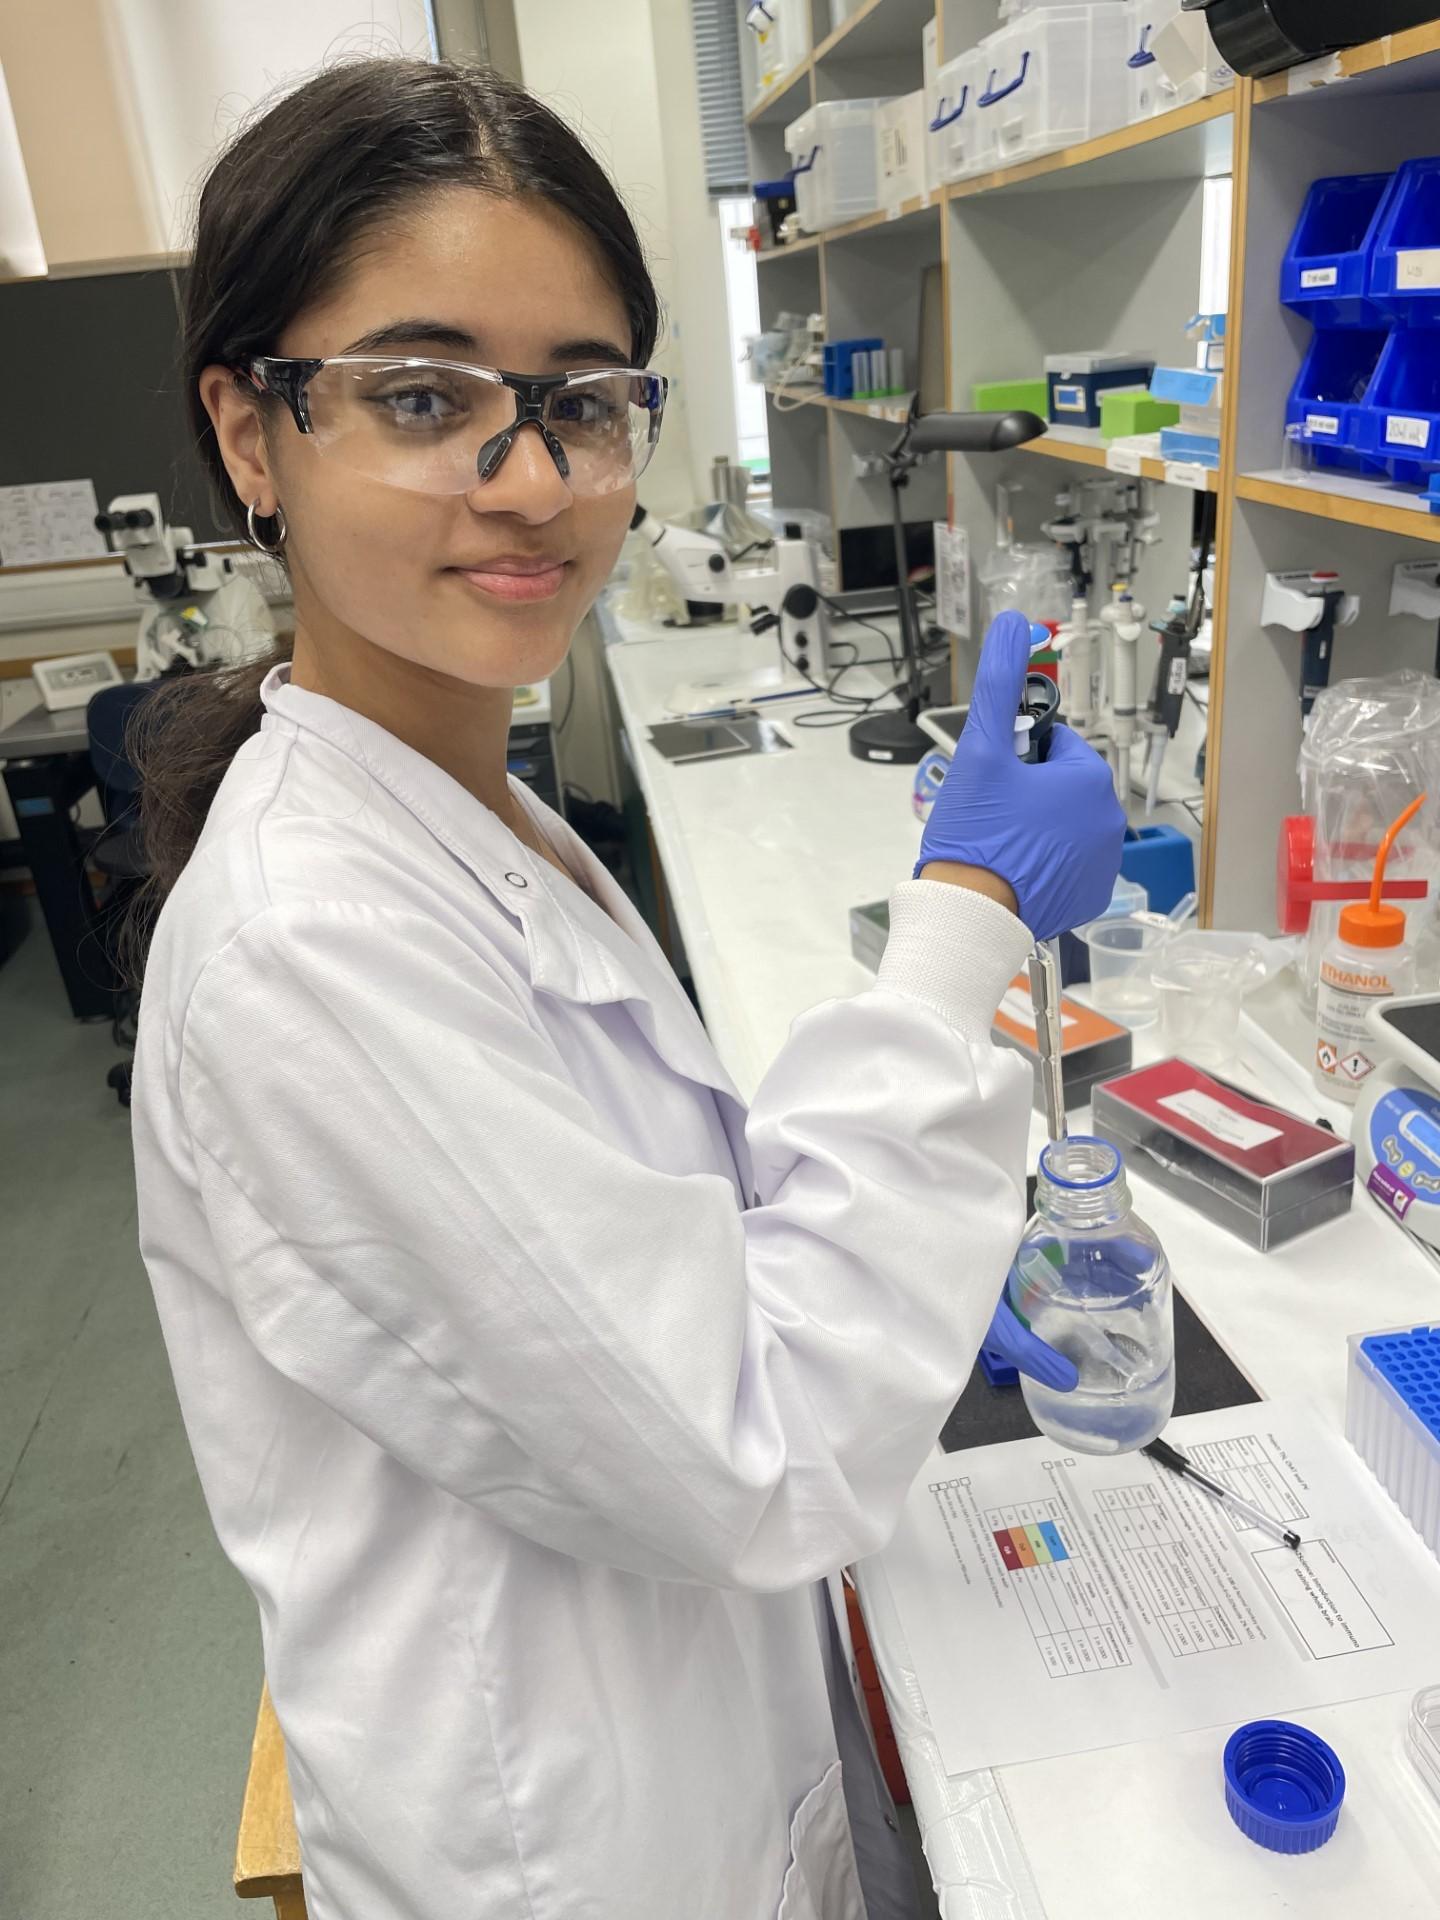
[1283,1785]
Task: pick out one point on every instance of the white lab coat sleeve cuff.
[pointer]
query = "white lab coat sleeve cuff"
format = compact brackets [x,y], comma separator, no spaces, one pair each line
[954,951]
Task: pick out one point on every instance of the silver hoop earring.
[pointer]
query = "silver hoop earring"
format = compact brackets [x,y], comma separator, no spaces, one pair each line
[278,545]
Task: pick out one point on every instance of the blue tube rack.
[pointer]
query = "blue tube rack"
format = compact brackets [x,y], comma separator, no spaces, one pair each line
[1392,1419]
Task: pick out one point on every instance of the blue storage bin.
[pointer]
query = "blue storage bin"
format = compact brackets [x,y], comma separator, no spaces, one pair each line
[1162,860]
[1405,259]
[1326,271]
[1326,398]
[1399,420]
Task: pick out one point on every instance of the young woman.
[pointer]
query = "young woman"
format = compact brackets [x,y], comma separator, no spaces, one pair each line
[534,1386]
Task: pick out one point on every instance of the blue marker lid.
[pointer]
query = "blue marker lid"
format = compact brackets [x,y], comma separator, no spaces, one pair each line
[1040,637]
[1283,1785]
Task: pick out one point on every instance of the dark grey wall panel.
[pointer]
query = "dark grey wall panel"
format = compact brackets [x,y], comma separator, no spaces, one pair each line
[91,391]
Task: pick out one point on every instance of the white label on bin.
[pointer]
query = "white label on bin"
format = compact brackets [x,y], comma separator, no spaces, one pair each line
[1322,423]
[1319,276]
[1212,1116]
[1403,432]
[1070,400]
[1185,473]
[1419,267]
[1123,460]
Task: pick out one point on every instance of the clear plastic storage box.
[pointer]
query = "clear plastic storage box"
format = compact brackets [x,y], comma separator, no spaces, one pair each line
[1056,75]
[1392,1419]
[900,129]
[774,40]
[1422,1736]
[834,150]
[1171,58]
[961,132]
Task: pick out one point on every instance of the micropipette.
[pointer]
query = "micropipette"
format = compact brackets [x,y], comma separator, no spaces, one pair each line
[1045,990]
[1045,993]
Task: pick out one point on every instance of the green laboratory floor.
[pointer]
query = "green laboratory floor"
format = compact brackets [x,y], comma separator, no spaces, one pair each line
[129,1650]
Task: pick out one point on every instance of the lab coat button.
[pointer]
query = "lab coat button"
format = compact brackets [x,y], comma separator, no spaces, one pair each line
[517,879]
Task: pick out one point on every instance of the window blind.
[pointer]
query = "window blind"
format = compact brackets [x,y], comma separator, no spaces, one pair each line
[722,112]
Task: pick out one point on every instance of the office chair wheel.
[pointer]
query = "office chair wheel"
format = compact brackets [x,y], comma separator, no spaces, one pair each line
[119,1078]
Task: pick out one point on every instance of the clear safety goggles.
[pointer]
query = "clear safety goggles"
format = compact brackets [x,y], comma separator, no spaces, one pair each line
[441,426]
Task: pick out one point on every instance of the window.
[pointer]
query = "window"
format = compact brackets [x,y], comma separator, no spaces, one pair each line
[1215,245]
[742,299]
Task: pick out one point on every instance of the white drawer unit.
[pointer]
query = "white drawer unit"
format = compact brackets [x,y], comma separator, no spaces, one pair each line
[834,150]
[959,131]
[1056,75]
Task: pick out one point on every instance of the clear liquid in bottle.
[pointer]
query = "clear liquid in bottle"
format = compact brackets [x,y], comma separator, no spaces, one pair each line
[1092,1280]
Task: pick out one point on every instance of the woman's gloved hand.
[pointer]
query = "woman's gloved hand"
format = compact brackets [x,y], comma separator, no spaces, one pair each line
[1011,1340]
[1054,831]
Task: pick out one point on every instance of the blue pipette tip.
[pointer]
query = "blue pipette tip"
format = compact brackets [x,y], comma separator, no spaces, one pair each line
[1283,1785]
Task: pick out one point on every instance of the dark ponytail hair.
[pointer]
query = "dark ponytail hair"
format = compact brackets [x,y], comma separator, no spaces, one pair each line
[279,218]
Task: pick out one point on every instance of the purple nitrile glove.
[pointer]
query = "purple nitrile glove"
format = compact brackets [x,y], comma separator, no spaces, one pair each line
[1009,1337]
[1053,831]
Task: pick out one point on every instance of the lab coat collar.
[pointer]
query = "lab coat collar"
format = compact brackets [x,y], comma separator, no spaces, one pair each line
[593,950]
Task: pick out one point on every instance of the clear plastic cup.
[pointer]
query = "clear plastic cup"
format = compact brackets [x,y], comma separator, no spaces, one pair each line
[1200,990]
[1123,953]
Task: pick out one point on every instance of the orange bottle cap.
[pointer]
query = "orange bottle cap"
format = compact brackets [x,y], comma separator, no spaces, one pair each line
[1367,926]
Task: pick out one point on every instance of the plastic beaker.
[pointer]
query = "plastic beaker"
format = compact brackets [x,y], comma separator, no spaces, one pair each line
[1123,953]
[1200,987]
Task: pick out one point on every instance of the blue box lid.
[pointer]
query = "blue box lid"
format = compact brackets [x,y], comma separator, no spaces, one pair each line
[1186,386]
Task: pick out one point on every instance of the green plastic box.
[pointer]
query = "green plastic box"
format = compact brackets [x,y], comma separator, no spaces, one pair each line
[1012,396]
[1124,413]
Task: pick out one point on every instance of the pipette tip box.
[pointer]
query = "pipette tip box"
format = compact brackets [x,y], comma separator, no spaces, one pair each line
[1251,1167]
[1093,1048]
[1392,1419]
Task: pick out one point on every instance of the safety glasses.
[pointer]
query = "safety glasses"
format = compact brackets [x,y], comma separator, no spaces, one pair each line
[440,426]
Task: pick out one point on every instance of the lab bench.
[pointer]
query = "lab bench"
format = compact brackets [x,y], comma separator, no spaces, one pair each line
[764,856]
[47,772]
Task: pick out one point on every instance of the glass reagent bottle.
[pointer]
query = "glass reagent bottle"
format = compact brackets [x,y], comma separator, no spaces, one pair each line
[1092,1279]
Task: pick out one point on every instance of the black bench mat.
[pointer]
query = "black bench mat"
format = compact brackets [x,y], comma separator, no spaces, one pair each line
[1205,1377]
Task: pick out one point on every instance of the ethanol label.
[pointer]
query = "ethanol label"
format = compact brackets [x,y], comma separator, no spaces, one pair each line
[1401,431]
[1319,276]
[1419,268]
[1322,423]
[1212,1116]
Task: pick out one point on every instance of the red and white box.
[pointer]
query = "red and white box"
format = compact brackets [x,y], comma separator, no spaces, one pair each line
[1247,1165]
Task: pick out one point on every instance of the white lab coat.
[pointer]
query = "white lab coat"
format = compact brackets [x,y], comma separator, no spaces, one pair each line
[531,1385]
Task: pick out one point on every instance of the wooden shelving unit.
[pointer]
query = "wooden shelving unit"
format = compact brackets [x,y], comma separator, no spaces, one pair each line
[1087,453]
[1347,505]
[1392,51]
[1373,107]
[1099,245]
